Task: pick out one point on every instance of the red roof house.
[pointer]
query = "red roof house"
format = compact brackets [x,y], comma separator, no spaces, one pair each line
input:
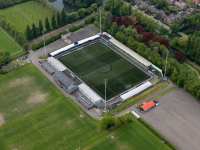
[148,106]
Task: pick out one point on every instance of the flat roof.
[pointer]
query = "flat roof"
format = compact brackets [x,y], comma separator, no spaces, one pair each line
[89,92]
[49,67]
[56,64]
[136,90]
[148,105]
[62,78]
[131,52]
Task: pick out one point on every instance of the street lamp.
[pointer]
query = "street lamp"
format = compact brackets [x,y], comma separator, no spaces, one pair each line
[100,20]
[44,42]
[164,78]
[105,82]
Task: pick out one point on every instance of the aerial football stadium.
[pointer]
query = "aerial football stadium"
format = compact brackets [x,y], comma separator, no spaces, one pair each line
[88,62]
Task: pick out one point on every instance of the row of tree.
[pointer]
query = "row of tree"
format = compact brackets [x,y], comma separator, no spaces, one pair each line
[11,29]
[189,45]
[110,122]
[4,57]
[8,3]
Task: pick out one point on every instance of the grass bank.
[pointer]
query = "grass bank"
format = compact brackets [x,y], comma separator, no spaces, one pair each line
[139,97]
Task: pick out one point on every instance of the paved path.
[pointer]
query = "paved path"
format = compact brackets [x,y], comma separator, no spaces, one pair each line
[193,69]
[146,99]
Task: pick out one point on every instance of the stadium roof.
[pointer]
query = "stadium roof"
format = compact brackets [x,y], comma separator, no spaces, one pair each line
[49,67]
[63,79]
[89,93]
[130,52]
[136,90]
[56,64]
[148,105]
[62,49]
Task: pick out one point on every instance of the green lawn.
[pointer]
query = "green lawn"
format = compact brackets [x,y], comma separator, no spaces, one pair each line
[97,62]
[26,13]
[7,44]
[38,116]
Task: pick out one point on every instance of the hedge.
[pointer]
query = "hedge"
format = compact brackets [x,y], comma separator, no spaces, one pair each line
[89,20]
[75,28]
[157,133]
[47,41]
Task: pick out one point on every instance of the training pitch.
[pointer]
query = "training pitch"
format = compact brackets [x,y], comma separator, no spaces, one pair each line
[97,62]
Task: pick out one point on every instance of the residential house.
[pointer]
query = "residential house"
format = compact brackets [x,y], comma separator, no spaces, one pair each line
[171,19]
[181,15]
[152,9]
[161,13]
[180,4]
[144,5]
[171,2]
[196,1]
[191,11]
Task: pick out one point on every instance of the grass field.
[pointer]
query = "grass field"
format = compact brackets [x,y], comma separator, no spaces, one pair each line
[97,62]
[48,120]
[7,44]
[26,13]
[130,102]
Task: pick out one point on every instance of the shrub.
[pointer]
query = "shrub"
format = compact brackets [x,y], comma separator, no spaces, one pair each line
[3,71]
[48,41]
[89,20]
[75,28]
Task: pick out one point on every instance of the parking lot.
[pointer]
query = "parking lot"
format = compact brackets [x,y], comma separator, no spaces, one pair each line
[177,118]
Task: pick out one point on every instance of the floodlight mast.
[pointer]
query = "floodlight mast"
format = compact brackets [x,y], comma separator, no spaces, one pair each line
[100,20]
[105,82]
[44,42]
[166,66]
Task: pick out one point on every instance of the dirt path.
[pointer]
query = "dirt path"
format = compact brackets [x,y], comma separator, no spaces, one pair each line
[193,69]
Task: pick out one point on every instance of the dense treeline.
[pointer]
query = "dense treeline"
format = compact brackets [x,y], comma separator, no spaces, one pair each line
[4,58]
[189,45]
[8,3]
[152,50]
[189,25]
[82,3]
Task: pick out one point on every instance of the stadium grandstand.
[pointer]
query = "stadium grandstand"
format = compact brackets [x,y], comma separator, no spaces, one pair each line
[86,92]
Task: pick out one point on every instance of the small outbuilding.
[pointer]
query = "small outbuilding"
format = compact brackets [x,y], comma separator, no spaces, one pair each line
[50,69]
[147,106]
[66,83]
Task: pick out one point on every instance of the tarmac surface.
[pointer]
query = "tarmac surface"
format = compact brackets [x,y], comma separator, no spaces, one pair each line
[177,118]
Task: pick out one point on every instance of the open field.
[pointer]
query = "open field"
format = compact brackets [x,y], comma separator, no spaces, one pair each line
[132,136]
[38,116]
[7,44]
[97,62]
[26,13]
[130,102]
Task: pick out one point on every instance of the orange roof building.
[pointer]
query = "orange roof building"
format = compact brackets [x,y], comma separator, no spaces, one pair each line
[148,106]
[196,1]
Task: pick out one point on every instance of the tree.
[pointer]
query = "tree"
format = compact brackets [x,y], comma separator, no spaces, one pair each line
[117,123]
[139,38]
[114,28]
[53,22]
[34,31]
[63,17]
[180,56]
[94,7]
[81,12]
[47,25]
[104,122]
[59,22]
[73,17]
[106,23]
[40,27]
[4,57]
[189,42]
[28,33]
[174,76]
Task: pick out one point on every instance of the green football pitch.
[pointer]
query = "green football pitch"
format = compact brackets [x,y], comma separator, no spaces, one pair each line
[97,62]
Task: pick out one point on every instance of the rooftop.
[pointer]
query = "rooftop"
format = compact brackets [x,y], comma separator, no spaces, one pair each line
[49,67]
[148,105]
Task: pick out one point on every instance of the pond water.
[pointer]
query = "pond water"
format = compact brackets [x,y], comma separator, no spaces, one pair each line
[59,4]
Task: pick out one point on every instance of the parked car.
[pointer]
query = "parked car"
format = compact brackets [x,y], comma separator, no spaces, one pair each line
[156,102]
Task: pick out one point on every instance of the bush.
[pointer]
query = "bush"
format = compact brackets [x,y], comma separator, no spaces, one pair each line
[90,20]
[3,71]
[75,28]
[48,41]
[157,133]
